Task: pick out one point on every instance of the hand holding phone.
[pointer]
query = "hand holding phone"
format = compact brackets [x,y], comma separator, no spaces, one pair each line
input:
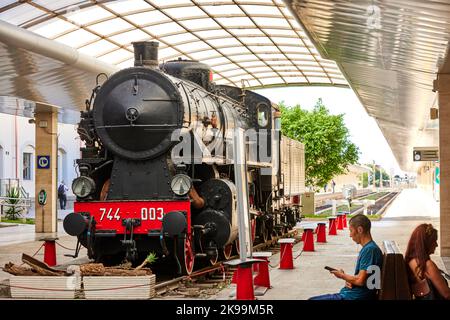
[330,268]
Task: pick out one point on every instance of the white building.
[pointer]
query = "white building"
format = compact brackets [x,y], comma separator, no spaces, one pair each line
[18,157]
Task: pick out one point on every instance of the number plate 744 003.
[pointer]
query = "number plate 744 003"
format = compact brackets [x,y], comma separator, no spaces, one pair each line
[146,214]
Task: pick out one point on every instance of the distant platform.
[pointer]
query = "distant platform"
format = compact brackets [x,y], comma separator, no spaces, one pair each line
[413,203]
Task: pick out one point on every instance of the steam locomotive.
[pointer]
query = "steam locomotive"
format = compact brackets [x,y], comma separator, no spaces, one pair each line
[156,172]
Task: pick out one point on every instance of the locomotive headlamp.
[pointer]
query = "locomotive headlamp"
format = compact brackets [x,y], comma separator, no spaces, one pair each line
[83,186]
[181,184]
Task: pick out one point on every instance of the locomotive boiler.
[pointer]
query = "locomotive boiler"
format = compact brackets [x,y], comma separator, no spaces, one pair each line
[156,169]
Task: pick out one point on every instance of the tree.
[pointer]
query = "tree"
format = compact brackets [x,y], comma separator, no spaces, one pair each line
[328,149]
[365,180]
[384,175]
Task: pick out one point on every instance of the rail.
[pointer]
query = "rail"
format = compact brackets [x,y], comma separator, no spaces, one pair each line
[319,199]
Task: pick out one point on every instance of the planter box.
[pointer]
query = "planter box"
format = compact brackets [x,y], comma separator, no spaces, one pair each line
[42,287]
[142,287]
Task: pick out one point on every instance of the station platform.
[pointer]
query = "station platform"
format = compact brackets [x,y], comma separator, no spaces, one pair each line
[309,278]
[16,239]
[19,233]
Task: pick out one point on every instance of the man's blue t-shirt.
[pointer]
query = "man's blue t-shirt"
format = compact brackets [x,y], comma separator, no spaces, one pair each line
[369,255]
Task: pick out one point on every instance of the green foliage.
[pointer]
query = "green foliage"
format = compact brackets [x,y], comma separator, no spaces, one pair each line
[151,258]
[12,212]
[20,221]
[365,180]
[385,176]
[328,149]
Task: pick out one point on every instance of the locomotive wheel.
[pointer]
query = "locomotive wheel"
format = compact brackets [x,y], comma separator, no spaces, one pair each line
[264,233]
[186,256]
[236,246]
[226,251]
[273,235]
[213,259]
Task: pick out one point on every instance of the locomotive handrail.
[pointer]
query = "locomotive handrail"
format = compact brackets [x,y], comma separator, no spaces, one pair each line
[236,104]
[141,126]
[166,100]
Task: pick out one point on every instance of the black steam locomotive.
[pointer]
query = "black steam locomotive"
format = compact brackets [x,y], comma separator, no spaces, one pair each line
[156,173]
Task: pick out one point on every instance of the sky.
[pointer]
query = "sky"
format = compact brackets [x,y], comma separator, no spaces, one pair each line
[364,131]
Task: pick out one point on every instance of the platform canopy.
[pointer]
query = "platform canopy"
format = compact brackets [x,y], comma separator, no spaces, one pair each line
[390,52]
[246,42]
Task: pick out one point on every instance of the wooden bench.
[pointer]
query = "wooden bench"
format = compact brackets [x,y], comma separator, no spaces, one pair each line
[394,278]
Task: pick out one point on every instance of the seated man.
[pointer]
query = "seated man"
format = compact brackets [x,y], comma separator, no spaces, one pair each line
[370,255]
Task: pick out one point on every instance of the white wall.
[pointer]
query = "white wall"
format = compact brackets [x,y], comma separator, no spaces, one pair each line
[68,145]
[7,143]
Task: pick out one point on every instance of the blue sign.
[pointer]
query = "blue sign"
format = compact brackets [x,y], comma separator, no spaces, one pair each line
[43,162]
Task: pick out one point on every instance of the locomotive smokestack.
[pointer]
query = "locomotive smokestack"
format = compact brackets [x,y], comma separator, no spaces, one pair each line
[146,54]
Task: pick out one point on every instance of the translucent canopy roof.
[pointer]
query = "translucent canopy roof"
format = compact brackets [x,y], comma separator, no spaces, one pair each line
[251,43]
[390,52]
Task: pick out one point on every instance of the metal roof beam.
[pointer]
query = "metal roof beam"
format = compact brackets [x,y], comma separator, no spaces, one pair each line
[17,37]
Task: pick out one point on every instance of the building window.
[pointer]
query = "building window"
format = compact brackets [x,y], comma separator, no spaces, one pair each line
[26,166]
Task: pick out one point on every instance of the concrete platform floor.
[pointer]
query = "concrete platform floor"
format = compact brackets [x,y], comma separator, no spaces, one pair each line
[412,207]
[21,238]
[309,278]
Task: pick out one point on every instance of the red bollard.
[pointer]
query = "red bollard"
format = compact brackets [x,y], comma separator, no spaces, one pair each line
[321,232]
[286,259]
[262,279]
[244,278]
[50,251]
[244,289]
[332,229]
[345,221]
[340,225]
[308,245]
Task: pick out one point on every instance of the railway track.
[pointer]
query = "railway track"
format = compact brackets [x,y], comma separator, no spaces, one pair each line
[373,209]
[381,204]
[208,281]
[328,206]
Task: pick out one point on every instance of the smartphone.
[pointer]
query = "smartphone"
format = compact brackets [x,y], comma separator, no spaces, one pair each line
[330,268]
